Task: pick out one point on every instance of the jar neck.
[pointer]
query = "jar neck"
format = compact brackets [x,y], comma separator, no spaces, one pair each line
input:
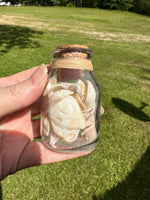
[72,64]
[72,58]
[70,75]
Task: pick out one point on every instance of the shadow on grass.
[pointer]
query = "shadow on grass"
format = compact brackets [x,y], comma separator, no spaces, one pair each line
[131,110]
[17,36]
[145,78]
[136,186]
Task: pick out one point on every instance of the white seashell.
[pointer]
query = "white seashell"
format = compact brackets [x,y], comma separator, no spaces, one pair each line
[81,104]
[71,135]
[82,89]
[57,130]
[70,86]
[90,133]
[51,82]
[55,88]
[67,134]
[90,94]
[88,111]
[62,86]
[67,114]
[53,139]
[46,126]
[90,120]
[60,94]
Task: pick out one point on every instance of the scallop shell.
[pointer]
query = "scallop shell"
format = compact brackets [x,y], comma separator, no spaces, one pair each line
[70,86]
[71,135]
[60,94]
[88,111]
[68,135]
[57,130]
[46,126]
[90,120]
[81,104]
[53,139]
[90,133]
[90,94]
[82,89]
[67,114]
[51,82]
[55,88]
[62,86]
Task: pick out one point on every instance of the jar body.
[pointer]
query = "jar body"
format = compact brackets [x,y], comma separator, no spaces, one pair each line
[70,118]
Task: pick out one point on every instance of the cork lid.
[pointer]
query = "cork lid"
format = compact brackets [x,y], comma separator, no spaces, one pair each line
[74,45]
[72,56]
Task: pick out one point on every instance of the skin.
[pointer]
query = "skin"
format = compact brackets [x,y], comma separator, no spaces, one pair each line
[19,102]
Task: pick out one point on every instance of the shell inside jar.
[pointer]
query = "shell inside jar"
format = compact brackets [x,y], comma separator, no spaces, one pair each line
[68,110]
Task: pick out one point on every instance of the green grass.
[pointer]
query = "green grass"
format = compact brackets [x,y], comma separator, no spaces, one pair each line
[119,167]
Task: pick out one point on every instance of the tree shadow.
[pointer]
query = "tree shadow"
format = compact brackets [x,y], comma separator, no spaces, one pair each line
[131,110]
[17,36]
[136,186]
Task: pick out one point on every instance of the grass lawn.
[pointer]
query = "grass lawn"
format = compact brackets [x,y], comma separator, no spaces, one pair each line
[119,167]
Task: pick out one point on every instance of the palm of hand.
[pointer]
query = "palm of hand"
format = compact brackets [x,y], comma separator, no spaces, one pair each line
[16,132]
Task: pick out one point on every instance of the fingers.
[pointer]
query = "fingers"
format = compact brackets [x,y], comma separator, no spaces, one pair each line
[16,78]
[36,108]
[19,77]
[23,94]
[36,153]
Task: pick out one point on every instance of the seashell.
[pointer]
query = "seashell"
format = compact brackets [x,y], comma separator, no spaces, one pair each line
[55,88]
[90,133]
[46,126]
[90,94]
[60,94]
[62,86]
[82,106]
[71,135]
[67,114]
[70,86]
[82,89]
[53,139]
[57,130]
[90,120]
[88,111]
[67,134]
[52,81]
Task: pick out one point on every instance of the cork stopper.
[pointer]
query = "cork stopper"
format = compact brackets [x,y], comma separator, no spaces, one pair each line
[72,56]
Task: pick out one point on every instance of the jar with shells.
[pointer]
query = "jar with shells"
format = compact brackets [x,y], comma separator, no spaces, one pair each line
[70,119]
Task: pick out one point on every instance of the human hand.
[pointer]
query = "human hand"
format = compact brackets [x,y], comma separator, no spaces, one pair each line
[19,102]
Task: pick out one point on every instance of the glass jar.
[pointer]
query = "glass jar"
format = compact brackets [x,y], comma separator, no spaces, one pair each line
[70,118]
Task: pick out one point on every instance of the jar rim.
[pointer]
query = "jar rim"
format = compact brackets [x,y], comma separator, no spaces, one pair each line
[57,53]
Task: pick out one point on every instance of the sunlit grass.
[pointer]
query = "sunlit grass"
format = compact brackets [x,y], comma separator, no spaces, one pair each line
[122,66]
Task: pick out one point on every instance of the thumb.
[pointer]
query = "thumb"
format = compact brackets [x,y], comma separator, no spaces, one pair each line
[23,94]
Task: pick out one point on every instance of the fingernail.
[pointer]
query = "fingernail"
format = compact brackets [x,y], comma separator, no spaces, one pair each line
[39,74]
